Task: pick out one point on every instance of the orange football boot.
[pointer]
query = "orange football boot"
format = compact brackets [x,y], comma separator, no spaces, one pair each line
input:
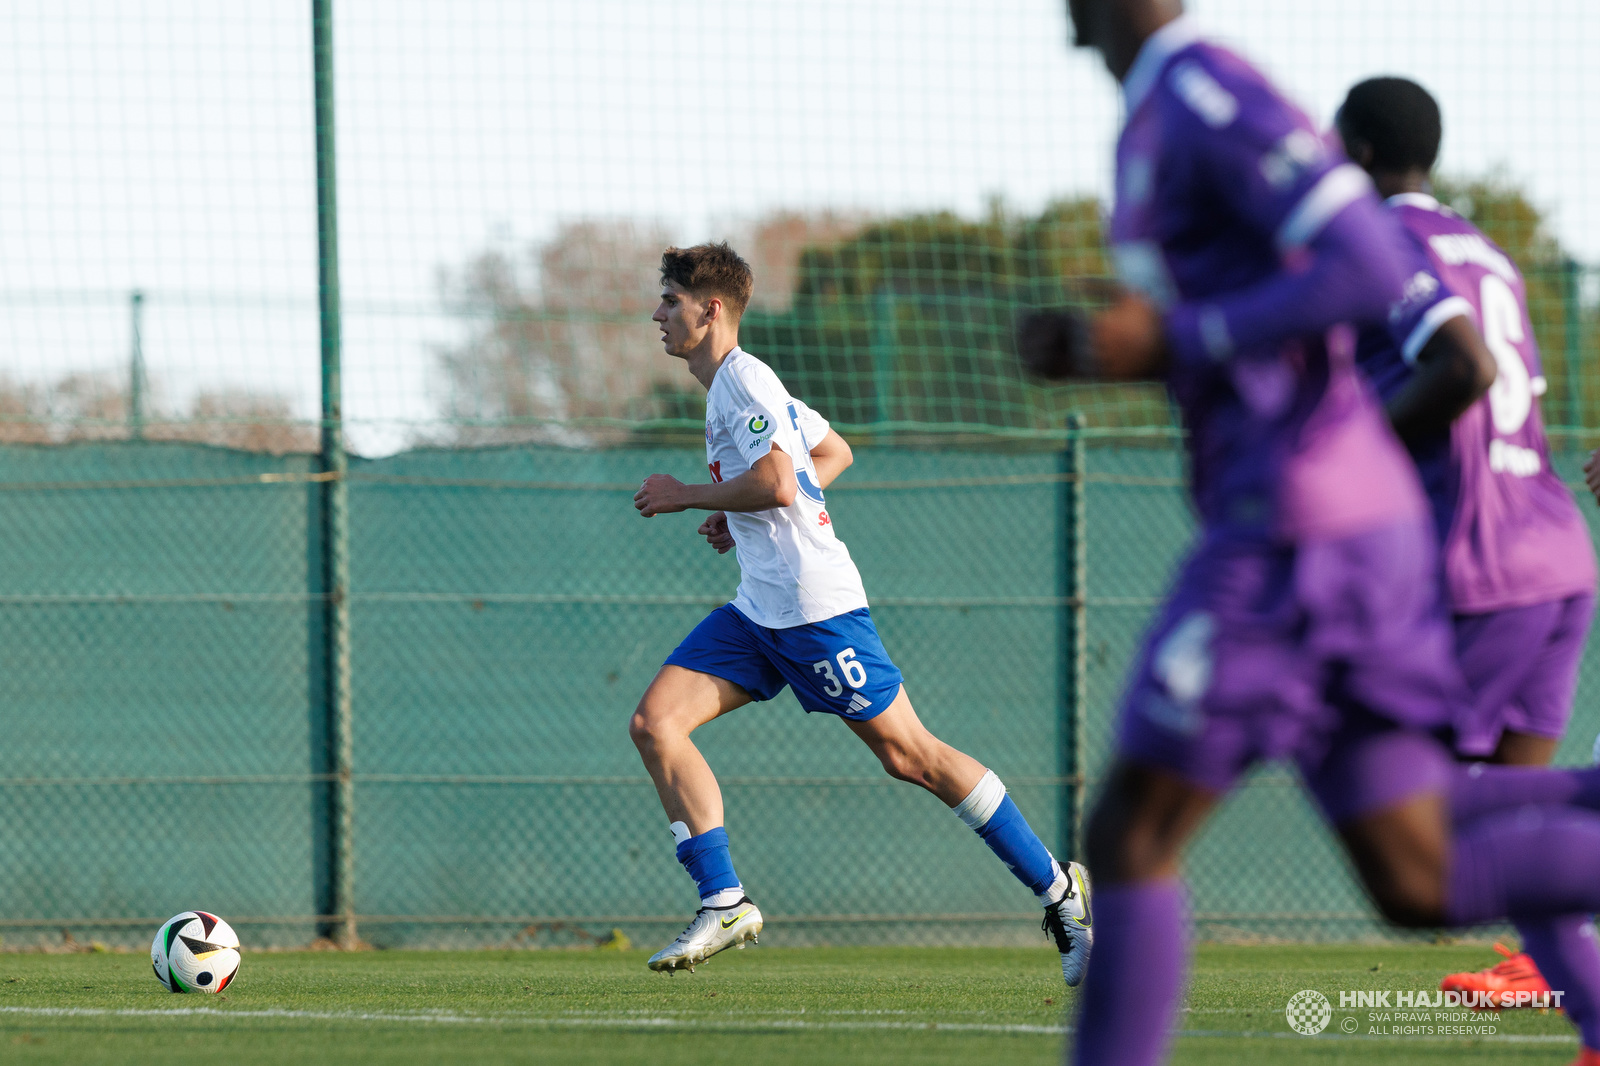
[1516,974]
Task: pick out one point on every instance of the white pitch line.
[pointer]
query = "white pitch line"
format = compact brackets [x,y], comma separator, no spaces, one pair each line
[663,1022]
[444,1018]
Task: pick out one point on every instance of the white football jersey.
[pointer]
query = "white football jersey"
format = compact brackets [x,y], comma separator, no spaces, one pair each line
[793,569]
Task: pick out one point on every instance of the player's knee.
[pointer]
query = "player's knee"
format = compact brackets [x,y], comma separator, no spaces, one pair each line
[649,725]
[639,728]
[1409,897]
[904,764]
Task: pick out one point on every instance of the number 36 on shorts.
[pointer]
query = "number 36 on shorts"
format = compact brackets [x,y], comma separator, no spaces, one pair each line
[855,675]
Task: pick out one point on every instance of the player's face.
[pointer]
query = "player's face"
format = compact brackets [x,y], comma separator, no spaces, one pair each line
[681,318]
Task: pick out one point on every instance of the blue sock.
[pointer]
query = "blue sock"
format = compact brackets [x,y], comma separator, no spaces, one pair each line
[995,818]
[708,862]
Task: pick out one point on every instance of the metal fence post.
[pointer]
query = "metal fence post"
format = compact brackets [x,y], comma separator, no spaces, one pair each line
[1572,276]
[335,462]
[1074,638]
[136,374]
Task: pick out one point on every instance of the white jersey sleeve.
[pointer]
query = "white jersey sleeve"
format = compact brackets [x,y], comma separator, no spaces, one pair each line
[812,425]
[794,569]
[759,425]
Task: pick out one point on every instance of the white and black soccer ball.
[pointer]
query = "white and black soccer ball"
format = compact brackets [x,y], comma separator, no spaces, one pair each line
[195,952]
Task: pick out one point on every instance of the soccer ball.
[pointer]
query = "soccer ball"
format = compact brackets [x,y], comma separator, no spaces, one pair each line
[195,952]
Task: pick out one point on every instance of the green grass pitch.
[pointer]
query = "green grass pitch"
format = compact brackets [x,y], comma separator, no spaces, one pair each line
[768,1006]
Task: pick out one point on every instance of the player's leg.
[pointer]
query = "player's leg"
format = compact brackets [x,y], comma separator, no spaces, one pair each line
[1524,749]
[1533,715]
[678,702]
[720,666]
[1135,834]
[909,752]
[839,666]
[1521,665]
[1538,866]
[1219,676]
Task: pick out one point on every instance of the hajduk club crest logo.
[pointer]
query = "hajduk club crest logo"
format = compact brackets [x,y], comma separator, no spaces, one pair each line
[1309,1012]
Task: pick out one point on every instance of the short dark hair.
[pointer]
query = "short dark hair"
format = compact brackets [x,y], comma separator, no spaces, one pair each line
[710,270]
[1398,118]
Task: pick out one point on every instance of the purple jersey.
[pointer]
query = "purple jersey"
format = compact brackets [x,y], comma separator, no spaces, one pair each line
[1512,535]
[1222,184]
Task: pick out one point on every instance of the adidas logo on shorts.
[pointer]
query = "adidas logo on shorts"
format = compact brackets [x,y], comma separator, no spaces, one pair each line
[859,703]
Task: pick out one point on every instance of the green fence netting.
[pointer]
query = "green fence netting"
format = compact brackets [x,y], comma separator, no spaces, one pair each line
[188,722]
[161,633]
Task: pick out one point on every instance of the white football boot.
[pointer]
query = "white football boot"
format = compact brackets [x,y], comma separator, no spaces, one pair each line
[1071,926]
[714,929]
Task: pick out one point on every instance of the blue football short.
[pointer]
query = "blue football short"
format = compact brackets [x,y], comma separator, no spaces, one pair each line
[837,665]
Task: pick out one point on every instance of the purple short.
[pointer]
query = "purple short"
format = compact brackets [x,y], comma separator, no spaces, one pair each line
[1521,666]
[1290,651]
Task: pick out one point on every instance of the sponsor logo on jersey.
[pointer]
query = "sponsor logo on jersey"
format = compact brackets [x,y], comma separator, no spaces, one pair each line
[758,425]
[1290,158]
[1214,104]
[1421,286]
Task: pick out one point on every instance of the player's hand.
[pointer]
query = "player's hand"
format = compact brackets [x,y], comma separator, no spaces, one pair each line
[1591,473]
[1054,344]
[715,530]
[660,494]
[1127,341]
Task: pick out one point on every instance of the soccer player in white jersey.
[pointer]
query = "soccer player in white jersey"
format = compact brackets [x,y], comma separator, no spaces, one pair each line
[800,619]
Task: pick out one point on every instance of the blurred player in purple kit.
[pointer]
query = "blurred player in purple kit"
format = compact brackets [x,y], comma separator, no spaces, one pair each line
[1307,622]
[1518,566]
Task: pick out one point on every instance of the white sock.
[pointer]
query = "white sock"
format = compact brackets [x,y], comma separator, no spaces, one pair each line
[981,803]
[1058,887]
[727,897]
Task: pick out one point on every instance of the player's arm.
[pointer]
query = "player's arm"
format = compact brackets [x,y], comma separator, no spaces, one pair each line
[1344,272]
[831,457]
[1453,370]
[769,483]
[1591,477]
[1340,263]
[1125,342]
[1339,250]
[1348,271]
